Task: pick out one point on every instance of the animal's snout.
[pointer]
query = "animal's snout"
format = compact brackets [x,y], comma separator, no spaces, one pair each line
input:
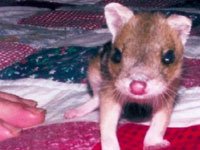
[138,87]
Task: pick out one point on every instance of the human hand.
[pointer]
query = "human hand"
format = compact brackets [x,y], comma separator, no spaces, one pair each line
[17,113]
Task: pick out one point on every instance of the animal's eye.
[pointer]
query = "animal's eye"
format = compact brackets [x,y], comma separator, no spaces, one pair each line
[168,57]
[116,56]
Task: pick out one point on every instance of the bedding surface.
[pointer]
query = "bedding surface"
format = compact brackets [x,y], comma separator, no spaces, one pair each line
[44,55]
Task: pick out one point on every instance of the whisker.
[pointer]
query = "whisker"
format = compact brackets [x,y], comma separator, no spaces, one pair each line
[170,91]
[165,101]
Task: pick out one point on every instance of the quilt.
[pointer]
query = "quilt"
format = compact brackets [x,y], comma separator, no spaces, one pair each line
[44,55]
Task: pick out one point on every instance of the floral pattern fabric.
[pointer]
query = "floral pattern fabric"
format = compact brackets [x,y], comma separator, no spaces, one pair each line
[59,64]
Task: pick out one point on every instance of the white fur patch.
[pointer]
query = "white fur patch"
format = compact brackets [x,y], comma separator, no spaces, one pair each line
[154,88]
[116,16]
[182,25]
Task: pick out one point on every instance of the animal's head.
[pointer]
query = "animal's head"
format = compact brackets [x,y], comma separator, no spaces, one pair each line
[147,50]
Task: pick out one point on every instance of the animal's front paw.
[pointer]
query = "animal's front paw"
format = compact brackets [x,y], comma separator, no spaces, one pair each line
[73,113]
[110,147]
[110,144]
[156,145]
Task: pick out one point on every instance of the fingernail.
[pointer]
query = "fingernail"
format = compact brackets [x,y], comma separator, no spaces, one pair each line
[41,110]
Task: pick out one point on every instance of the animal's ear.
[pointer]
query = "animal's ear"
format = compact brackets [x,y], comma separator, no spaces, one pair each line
[116,16]
[181,24]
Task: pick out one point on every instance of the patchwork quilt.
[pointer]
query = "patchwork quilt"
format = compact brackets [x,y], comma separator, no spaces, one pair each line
[44,55]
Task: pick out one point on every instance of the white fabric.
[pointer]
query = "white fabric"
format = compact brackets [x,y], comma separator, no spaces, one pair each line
[11,14]
[192,48]
[39,37]
[57,97]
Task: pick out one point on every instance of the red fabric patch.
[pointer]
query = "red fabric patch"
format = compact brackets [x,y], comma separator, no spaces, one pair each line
[76,19]
[84,135]
[12,52]
[65,136]
[131,137]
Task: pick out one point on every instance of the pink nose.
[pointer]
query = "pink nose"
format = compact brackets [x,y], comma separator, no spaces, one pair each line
[138,87]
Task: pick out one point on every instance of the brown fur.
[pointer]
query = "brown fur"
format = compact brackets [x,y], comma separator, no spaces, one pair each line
[143,40]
